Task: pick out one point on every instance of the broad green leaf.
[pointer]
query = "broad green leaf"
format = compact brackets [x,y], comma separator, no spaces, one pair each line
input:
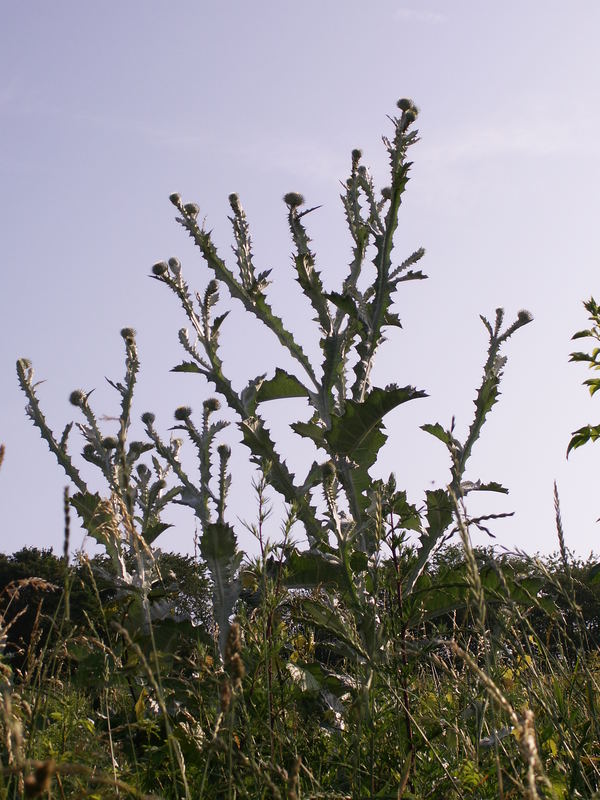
[582,436]
[303,678]
[309,569]
[309,430]
[314,476]
[593,384]
[357,434]
[478,486]
[439,516]
[439,432]
[281,386]
[218,547]
[439,511]
[153,531]
[98,520]
[187,366]
[344,302]
[249,395]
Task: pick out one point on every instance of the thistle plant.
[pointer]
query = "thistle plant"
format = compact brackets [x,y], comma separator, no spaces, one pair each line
[337,589]
[346,515]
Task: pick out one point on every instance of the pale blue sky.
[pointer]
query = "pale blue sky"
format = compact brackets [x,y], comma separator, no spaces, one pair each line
[105,109]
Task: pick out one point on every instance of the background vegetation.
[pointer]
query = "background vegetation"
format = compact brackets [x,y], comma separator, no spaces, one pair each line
[368,650]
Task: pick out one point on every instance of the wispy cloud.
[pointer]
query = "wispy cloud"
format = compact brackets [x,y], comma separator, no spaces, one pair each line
[419,15]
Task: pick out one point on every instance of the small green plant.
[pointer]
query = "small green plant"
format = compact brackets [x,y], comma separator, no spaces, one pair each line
[588,432]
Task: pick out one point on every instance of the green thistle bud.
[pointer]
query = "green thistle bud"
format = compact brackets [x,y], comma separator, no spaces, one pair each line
[192,210]
[175,198]
[386,192]
[328,471]
[148,418]
[404,104]
[136,447]
[212,404]
[89,451]
[524,316]
[410,116]
[128,334]
[234,202]
[143,471]
[174,263]
[293,199]
[224,451]
[110,443]
[356,157]
[160,269]
[182,413]
[77,398]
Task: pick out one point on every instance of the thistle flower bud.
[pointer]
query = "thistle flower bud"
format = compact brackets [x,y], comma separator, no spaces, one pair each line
[110,443]
[404,104]
[77,398]
[89,450]
[192,210]
[160,269]
[148,418]
[356,157]
[293,199]
[224,451]
[212,404]
[142,471]
[234,202]
[175,198]
[328,471]
[182,413]
[128,334]
[524,316]
[386,192]
[410,116]
[174,263]
[136,447]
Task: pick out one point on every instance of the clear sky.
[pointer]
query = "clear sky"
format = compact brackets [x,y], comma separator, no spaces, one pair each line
[106,108]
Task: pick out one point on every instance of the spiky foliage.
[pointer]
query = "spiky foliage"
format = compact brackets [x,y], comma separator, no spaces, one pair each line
[331,643]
